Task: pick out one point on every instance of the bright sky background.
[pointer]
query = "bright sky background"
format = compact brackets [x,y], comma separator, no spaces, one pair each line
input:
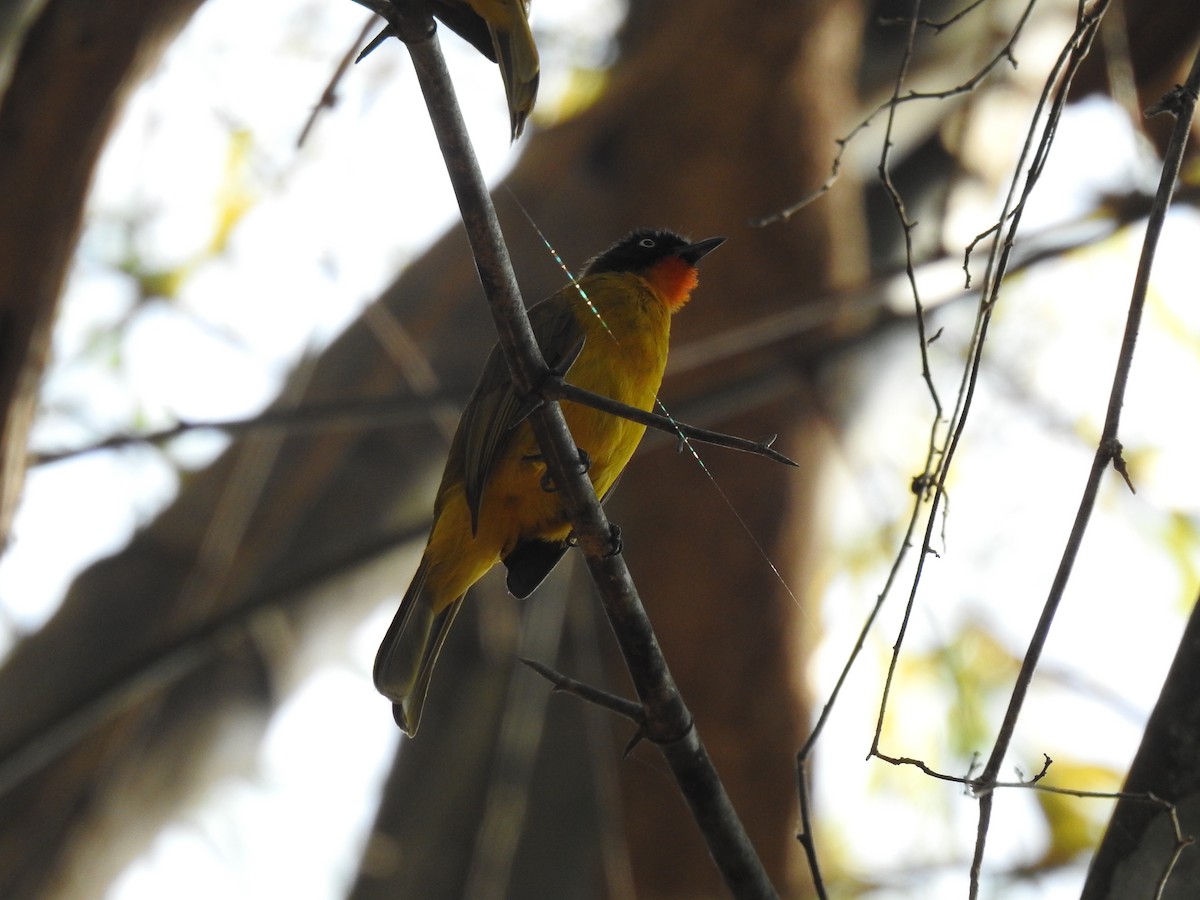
[326,232]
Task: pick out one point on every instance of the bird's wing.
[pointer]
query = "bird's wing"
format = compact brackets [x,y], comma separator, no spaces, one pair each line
[460,18]
[494,409]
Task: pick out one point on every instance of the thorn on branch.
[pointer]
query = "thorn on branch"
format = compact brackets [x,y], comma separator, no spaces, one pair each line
[1114,449]
[972,767]
[408,22]
[634,740]
[373,44]
[1123,471]
[1178,102]
[616,545]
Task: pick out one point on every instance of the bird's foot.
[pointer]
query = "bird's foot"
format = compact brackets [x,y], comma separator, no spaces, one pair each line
[548,485]
[615,544]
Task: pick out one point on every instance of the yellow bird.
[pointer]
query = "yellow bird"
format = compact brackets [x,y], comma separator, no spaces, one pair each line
[499,29]
[609,330]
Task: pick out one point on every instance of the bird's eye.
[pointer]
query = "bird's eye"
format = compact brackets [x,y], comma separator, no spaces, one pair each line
[648,243]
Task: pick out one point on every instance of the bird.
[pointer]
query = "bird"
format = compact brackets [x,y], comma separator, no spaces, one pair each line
[607,331]
[499,29]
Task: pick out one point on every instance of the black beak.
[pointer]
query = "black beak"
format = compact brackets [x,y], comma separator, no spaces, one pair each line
[693,253]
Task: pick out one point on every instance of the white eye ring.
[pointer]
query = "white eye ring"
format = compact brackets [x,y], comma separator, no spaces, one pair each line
[646,242]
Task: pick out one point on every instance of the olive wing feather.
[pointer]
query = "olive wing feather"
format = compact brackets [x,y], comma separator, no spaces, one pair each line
[494,409]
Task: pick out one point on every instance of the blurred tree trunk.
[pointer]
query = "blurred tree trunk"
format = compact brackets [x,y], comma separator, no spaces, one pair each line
[71,64]
[1139,845]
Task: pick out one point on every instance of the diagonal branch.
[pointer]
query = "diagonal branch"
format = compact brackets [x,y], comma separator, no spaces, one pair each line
[668,722]
[586,692]
[378,412]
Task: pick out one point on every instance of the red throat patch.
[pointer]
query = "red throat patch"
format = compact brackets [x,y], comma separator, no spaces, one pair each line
[674,280]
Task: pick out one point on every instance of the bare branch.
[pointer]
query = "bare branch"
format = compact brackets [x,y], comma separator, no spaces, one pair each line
[628,708]
[332,416]
[328,97]
[556,388]
[965,87]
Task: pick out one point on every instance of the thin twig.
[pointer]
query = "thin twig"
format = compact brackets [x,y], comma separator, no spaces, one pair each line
[630,709]
[328,99]
[556,388]
[906,224]
[380,412]
[387,411]
[964,87]
[1033,783]
[937,27]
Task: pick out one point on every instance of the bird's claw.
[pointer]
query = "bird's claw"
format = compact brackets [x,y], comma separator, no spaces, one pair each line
[547,482]
[638,736]
[616,545]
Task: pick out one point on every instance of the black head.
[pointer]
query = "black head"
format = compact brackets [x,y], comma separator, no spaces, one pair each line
[643,248]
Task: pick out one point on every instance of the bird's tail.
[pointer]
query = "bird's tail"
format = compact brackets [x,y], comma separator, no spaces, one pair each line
[405,660]
[517,56]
